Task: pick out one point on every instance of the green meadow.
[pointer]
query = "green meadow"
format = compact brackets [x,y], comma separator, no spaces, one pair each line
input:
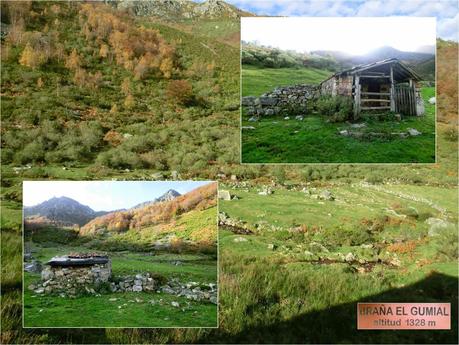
[125,309]
[316,140]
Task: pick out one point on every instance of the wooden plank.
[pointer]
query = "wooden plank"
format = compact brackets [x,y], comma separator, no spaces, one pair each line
[356,97]
[368,108]
[374,100]
[376,93]
[392,89]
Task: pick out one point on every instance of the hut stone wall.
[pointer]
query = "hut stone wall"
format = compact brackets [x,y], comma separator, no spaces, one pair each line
[281,99]
[337,86]
[69,279]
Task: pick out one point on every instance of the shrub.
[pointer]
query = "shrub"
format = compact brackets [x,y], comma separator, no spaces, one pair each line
[180,91]
[339,108]
[450,134]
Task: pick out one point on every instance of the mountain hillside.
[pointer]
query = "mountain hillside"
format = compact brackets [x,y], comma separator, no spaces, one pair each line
[63,210]
[159,212]
[91,85]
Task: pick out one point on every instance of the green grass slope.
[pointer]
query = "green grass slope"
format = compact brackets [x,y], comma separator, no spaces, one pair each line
[256,80]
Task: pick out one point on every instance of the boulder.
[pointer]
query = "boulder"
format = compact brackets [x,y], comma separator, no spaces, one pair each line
[299,118]
[224,195]
[253,119]
[432,100]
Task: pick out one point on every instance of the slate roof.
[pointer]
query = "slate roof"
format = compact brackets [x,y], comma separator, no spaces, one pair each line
[402,72]
[67,261]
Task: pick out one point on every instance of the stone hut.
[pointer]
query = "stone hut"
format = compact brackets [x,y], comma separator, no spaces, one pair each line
[75,271]
[384,85]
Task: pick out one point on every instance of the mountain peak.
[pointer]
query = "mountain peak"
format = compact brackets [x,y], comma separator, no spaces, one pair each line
[63,210]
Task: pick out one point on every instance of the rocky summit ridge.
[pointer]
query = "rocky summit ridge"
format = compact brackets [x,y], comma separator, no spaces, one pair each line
[181,9]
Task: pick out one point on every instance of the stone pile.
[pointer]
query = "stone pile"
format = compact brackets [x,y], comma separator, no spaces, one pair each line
[192,290]
[235,225]
[282,100]
[137,283]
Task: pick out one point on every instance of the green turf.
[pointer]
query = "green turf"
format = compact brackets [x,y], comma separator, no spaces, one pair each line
[314,140]
[92,311]
[256,80]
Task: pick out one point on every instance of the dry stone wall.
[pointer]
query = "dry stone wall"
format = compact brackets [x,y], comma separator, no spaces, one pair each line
[73,279]
[291,100]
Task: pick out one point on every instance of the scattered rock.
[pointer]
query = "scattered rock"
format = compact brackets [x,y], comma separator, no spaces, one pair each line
[299,118]
[286,118]
[248,127]
[413,132]
[272,246]
[436,225]
[33,267]
[326,195]
[432,100]
[349,257]
[240,239]
[253,119]
[344,132]
[395,262]
[358,125]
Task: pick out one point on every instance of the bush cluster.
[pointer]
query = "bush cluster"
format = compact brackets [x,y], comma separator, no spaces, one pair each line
[338,108]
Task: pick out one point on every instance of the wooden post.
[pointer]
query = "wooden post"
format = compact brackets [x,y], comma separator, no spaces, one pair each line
[412,98]
[392,90]
[356,97]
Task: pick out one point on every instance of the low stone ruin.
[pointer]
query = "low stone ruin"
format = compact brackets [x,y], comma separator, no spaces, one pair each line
[288,100]
[85,273]
[74,273]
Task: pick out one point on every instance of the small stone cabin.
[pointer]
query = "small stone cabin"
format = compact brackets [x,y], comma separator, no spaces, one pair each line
[64,273]
[384,85]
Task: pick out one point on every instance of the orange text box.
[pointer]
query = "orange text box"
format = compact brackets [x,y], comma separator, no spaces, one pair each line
[403,315]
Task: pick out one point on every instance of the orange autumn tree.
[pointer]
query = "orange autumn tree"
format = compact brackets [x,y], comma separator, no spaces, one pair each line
[142,51]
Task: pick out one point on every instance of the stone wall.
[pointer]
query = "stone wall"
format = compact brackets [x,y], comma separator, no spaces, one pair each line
[288,100]
[73,279]
[337,86]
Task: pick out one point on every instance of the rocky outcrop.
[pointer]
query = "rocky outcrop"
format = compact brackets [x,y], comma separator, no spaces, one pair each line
[176,9]
[288,100]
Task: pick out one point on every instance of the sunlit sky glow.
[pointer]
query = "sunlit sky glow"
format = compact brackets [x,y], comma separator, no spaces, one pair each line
[445,11]
[351,35]
[103,195]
